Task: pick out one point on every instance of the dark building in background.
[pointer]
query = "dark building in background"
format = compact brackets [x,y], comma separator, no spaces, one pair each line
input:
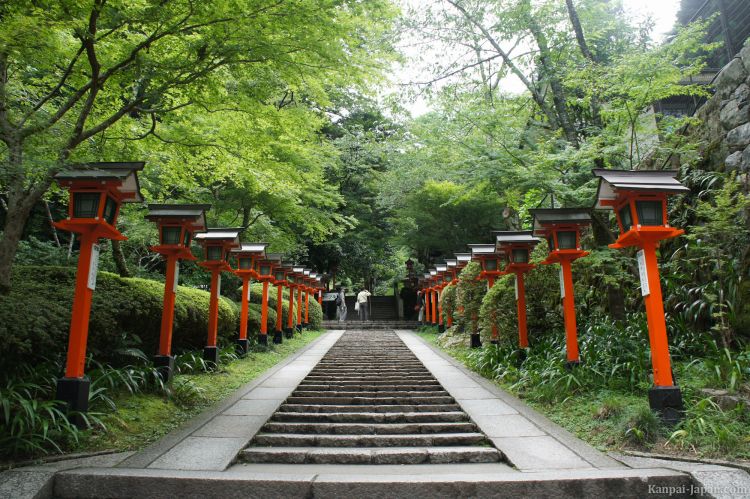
[730,26]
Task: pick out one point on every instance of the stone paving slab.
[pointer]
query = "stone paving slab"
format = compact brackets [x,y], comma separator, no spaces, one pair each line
[212,440]
[529,441]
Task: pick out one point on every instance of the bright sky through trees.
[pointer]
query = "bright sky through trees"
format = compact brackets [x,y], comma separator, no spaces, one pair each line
[662,12]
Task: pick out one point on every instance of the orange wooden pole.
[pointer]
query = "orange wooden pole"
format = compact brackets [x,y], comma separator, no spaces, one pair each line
[299,306]
[523,335]
[440,307]
[434,306]
[213,309]
[320,297]
[79,319]
[657,326]
[244,307]
[569,312]
[279,307]
[427,295]
[167,314]
[307,307]
[264,310]
[290,312]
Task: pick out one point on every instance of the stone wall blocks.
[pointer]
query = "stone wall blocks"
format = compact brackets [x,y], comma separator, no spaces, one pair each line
[745,56]
[733,161]
[730,78]
[739,138]
[734,113]
[745,164]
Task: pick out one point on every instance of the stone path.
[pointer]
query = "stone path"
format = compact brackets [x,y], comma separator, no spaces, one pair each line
[370,401]
[375,398]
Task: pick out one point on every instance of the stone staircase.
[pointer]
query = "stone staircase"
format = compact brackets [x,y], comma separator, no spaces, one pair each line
[380,325]
[370,401]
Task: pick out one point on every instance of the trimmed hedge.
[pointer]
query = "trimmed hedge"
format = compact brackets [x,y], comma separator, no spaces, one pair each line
[125,313]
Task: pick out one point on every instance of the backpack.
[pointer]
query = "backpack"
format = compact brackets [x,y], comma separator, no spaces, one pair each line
[338,300]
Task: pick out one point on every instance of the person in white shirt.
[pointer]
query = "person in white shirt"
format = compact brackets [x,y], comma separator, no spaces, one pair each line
[362,307]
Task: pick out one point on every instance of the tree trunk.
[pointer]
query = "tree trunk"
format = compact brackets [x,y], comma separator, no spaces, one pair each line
[596,116]
[51,222]
[120,263]
[548,71]
[19,209]
[602,237]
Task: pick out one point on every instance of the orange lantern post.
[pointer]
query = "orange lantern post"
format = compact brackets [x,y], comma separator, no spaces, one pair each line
[292,280]
[451,276]
[517,245]
[427,291]
[441,283]
[639,200]
[217,243]
[265,269]
[300,271]
[176,223]
[433,296]
[247,256]
[492,263]
[96,192]
[308,288]
[562,229]
[280,280]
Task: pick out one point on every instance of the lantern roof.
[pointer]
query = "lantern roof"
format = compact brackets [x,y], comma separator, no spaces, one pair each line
[463,257]
[551,216]
[124,172]
[427,276]
[441,267]
[220,234]
[611,181]
[313,275]
[481,249]
[306,272]
[275,257]
[252,248]
[515,237]
[451,262]
[433,272]
[298,269]
[196,213]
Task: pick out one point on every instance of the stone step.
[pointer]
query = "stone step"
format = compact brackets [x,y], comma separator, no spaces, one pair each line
[368,428]
[421,382]
[369,408]
[373,394]
[369,400]
[315,440]
[424,377]
[372,417]
[368,388]
[337,455]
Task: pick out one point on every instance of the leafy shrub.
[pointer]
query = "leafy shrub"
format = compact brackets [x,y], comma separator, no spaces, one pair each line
[126,313]
[643,427]
[469,294]
[499,308]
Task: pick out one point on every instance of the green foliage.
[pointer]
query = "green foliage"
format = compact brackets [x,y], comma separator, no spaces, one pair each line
[448,299]
[469,294]
[643,427]
[125,313]
[499,309]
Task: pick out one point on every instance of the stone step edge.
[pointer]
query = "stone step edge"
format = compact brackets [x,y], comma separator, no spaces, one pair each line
[88,483]
[371,455]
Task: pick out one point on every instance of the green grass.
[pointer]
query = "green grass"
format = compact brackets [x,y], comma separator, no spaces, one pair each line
[143,418]
[621,420]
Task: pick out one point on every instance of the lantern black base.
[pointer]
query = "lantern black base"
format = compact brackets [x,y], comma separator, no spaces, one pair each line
[277,338]
[494,342]
[571,364]
[242,347]
[522,354]
[73,393]
[262,339]
[298,328]
[476,341]
[667,402]
[441,328]
[164,365]
[211,354]
[289,333]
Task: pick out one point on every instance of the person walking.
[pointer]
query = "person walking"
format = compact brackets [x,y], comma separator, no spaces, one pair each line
[420,304]
[341,304]
[361,306]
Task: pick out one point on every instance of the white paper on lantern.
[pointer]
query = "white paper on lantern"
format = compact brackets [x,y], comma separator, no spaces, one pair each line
[176,276]
[249,285]
[562,283]
[93,267]
[218,286]
[642,273]
[516,283]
